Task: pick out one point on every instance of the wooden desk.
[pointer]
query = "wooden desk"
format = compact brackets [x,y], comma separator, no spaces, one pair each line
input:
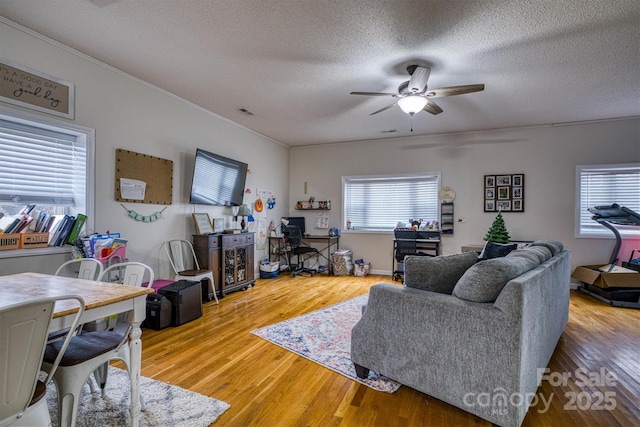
[101,300]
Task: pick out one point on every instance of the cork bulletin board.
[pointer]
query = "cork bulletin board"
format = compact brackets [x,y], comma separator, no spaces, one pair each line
[141,178]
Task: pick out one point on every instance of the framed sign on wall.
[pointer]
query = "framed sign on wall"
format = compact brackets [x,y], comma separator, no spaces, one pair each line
[20,85]
[203,223]
[504,192]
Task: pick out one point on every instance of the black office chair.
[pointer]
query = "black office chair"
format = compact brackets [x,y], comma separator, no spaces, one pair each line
[294,240]
[405,244]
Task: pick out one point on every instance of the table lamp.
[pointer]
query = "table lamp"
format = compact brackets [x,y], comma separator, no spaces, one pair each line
[244,212]
[234,211]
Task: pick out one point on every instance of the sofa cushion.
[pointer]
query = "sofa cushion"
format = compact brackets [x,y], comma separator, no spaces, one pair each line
[540,252]
[495,250]
[437,274]
[554,246]
[484,281]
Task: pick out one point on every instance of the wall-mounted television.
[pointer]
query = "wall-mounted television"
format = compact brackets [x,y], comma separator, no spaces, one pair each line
[217,180]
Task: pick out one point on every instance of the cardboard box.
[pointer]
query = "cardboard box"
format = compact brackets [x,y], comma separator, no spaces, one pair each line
[34,240]
[9,241]
[597,275]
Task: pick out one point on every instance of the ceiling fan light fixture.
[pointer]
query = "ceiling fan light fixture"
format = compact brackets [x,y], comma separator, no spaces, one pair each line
[412,104]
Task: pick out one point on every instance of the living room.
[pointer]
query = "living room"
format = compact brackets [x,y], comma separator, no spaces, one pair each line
[168,127]
[129,113]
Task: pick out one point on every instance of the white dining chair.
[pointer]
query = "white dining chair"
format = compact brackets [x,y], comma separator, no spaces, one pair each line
[91,351]
[128,273]
[24,331]
[184,263]
[82,268]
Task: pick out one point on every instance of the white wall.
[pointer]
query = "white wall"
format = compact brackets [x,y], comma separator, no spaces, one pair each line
[546,155]
[129,114]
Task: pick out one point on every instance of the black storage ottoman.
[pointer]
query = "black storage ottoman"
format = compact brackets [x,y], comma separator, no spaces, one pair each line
[159,312]
[186,300]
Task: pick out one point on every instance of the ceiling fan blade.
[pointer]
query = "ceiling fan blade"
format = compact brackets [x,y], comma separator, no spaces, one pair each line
[384,109]
[418,81]
[432,107]
[373,93]
[453,90]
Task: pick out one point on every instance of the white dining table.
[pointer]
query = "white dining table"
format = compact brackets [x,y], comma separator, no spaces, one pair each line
[101,300]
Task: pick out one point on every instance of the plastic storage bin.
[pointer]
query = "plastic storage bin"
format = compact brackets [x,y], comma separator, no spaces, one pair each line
[270,270]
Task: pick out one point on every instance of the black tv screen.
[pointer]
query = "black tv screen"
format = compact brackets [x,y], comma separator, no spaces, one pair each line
[217,180]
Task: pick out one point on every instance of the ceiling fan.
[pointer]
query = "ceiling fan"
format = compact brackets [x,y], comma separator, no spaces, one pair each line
[414,96]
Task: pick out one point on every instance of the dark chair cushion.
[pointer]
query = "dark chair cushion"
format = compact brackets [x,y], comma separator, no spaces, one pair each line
[304,250]
[192,272]
[39,393]
[83,347]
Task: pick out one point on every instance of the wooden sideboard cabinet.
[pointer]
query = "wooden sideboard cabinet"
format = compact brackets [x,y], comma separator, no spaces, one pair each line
[230,258]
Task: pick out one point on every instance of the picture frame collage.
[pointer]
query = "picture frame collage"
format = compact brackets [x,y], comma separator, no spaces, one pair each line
[504,193]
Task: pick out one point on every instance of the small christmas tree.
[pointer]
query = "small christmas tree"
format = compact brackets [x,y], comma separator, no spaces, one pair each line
[498,232]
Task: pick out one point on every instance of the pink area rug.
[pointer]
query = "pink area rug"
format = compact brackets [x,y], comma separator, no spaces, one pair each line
[324,336]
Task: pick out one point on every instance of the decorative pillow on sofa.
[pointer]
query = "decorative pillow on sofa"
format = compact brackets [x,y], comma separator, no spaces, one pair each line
[554,246]
[484,281]
[495,250]
[539,253]
[437,274]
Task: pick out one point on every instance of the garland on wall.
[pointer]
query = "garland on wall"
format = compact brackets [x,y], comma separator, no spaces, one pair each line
[144,218]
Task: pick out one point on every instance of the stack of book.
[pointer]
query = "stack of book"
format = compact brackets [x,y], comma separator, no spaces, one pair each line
[62,229]
[66,229]
[17,223]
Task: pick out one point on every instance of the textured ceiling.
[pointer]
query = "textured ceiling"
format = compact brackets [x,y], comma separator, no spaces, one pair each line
[293,62]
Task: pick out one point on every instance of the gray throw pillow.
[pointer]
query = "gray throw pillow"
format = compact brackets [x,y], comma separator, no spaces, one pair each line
[484,281]
[554,246]
[542,251]
[529,255]
[495,250]
[437,274]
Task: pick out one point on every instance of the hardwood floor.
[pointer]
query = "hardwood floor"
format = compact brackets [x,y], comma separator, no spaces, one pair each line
[266,385]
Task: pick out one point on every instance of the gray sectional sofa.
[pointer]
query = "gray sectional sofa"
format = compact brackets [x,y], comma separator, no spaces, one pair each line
[474,334]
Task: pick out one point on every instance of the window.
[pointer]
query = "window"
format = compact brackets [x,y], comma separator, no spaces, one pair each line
[46,162]
[601,185]
[378,203]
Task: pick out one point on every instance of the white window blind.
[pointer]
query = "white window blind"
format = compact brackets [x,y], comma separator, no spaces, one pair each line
[41,166]
[378,203]
[602,185]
